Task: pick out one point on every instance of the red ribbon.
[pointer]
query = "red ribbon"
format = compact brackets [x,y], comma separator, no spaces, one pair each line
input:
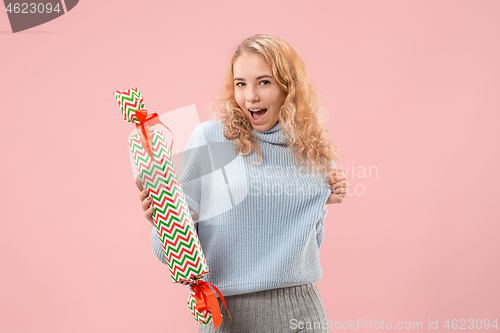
[144,129]
[205,299]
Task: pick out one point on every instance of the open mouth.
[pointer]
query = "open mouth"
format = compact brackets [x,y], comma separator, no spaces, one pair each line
[258,114]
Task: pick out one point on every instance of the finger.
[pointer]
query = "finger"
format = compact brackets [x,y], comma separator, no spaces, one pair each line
[143,195]
[340,194]
[342,184]
[338,179]
[146,203]
[332,180]
[339,189]
[337,185]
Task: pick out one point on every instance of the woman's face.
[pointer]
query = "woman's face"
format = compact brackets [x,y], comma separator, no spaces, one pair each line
[255,88]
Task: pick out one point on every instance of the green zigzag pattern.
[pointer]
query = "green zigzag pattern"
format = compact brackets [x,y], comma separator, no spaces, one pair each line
[186,273]
[129,96]
[179,222]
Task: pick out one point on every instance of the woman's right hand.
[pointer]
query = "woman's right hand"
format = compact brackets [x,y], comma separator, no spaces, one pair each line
[146,202]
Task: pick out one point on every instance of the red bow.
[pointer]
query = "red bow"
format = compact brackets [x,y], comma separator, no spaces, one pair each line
[145,130]
[205,299]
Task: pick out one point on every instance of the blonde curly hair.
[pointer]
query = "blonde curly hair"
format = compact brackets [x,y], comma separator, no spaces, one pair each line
[302,115]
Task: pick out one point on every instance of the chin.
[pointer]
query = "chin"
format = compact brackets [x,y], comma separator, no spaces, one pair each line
[261,127]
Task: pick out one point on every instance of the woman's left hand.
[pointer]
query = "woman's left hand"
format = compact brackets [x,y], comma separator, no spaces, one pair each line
[338,184]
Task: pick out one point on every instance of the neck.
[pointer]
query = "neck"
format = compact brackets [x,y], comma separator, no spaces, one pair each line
[271,135]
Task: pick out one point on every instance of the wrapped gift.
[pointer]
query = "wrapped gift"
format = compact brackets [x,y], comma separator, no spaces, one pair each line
[153,160]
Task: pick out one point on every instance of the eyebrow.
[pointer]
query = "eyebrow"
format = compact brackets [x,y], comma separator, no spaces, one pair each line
[260,77]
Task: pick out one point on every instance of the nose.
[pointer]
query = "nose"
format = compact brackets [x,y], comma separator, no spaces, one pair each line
[252,95]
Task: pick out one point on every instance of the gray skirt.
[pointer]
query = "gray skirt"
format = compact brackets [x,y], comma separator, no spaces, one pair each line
[290,309]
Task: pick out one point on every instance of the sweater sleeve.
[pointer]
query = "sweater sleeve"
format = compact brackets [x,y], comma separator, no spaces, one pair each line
[190,180]
[157,248]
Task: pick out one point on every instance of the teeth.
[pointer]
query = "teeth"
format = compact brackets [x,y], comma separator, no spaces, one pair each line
[254,110]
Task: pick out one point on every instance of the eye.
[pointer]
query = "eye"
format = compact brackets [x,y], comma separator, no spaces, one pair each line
[237,84]
[265,81]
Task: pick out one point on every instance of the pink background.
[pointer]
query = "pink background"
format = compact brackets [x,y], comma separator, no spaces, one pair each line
[412,89]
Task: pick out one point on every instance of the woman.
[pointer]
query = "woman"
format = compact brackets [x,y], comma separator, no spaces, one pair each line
[257,179]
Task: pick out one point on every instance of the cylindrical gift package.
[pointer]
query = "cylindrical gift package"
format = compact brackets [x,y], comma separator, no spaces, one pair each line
[152,157]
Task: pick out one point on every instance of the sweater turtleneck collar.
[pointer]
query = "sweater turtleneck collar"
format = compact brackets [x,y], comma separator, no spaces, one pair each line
[271,135]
